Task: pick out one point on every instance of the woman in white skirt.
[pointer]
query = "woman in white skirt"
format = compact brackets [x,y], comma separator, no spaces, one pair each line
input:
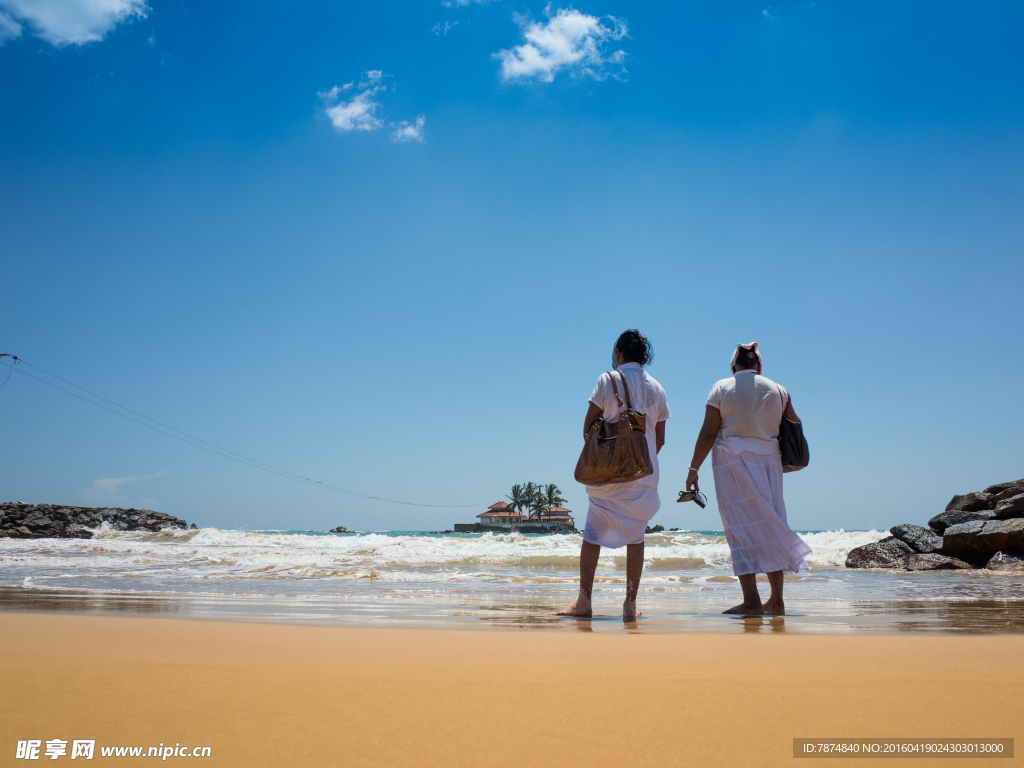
[619,512]
[741,423]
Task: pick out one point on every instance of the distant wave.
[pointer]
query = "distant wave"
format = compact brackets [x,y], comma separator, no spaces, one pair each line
[211,553]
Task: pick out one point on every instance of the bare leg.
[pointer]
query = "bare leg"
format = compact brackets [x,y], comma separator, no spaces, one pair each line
[775,606]
[634,567]
[751,605]
[588,565]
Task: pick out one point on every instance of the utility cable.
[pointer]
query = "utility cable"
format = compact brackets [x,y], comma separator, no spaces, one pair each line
[211,447]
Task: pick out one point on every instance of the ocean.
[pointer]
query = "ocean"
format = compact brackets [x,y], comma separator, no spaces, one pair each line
[415,578]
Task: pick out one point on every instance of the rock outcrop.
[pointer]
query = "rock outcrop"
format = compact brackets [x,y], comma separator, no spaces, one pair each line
[978,541]
[19,520]
[919,539]
[1010,508]
[982,529]
[890,552]
[339,529]
[1006,561]
[932,562]
[942,521]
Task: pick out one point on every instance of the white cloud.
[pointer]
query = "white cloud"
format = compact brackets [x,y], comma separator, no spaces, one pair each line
[357,114]
[570,40]
[406,131]
[443,29]
[74,22]
[360,111]
[9,28]
[457,3]
[107,493]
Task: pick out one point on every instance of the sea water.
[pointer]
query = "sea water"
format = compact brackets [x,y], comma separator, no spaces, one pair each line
[411,578]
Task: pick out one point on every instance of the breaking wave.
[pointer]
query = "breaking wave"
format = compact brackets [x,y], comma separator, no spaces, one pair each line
[211,553]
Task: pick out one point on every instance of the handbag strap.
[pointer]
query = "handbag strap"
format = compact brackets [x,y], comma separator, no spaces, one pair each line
[612,377]
[625,389]
[785,402]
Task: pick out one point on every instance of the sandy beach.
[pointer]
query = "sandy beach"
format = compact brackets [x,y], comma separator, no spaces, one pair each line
[264,694]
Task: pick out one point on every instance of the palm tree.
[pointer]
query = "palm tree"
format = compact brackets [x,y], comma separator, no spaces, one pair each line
[529,496]
[517,497]
[553,496]
[538,502]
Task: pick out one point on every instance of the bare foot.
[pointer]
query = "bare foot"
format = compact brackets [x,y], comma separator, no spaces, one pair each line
[581,608]
[629,612]
[747,610]
[775,608]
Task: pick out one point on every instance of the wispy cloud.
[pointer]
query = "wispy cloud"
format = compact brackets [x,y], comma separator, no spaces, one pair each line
[107,492]
[406,131]
[71,22]
[444,28]
[9,28]
[354,107]
[458,3]
[357,113]
[766,13]
[570,41]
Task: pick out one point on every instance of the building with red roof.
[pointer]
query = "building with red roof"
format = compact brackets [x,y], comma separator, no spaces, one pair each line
[501,514]
[503,517]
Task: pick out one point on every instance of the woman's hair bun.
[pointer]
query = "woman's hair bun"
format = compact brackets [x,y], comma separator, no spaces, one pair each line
[746,356]
[635,347]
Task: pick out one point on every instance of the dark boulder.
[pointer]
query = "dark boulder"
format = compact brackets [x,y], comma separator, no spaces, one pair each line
[45,521]
[970,502]
[193,527]
[978,540]
[340,529]
[1006,561]
[890,552]
[655,529]
[933,562]
[941,522]
[1001,491]
[1010,508]
[917,538]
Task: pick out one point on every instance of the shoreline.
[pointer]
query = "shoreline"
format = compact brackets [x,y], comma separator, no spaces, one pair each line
[515,608]
[274,694]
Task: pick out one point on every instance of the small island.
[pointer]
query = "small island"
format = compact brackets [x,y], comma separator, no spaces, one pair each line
[542,505]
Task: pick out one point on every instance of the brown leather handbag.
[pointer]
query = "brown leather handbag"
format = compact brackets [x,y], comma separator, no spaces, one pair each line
[616,453]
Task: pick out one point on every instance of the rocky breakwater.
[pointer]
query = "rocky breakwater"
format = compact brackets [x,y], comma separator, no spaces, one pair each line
[19,520]
[984,529]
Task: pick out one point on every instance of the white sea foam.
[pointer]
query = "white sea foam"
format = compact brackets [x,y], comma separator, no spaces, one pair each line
[503,580]
[268,555]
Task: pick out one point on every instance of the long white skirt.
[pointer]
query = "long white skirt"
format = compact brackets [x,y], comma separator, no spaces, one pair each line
[619,513]
[749,490]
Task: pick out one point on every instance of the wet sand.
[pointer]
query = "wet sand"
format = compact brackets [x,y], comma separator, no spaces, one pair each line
[280,695]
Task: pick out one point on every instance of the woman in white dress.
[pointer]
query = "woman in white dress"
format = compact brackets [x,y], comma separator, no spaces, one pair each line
[619,512]
[741,423]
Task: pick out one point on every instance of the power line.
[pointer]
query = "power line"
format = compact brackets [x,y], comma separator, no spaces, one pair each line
[208,446]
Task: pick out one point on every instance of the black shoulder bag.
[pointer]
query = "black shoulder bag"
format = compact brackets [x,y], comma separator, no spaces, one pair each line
[795,453]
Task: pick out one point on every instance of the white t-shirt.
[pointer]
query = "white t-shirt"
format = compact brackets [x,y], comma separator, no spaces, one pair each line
[751,408]
[647,396]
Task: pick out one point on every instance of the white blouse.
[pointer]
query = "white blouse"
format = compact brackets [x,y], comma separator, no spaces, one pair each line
[751,407]
[647,396]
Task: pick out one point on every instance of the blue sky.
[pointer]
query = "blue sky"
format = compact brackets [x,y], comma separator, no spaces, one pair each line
[389,246]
